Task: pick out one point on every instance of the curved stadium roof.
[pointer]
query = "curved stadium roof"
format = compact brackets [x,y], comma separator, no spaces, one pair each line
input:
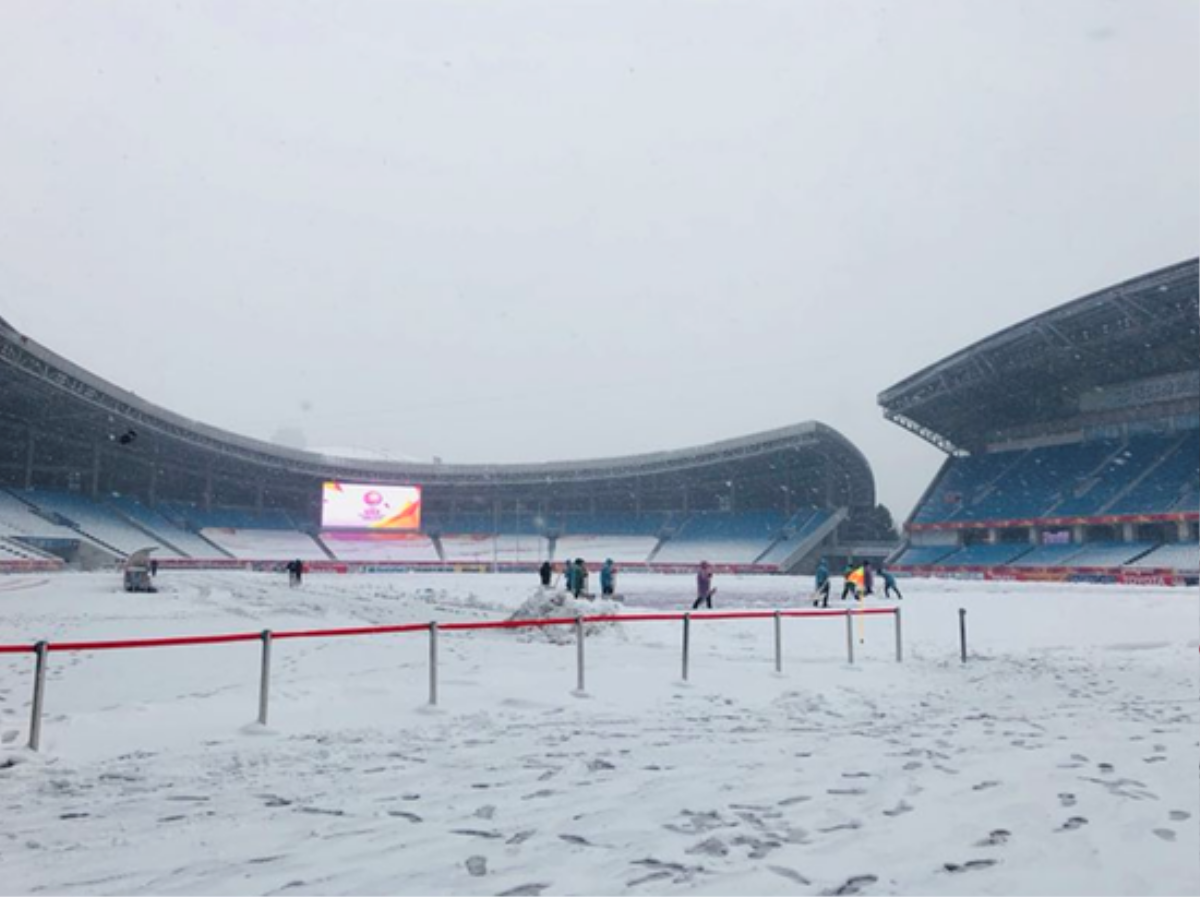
[49,393]
[1034,373]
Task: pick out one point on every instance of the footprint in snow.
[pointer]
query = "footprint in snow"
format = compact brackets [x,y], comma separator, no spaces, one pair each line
[996,838]
[533,889]
[1179,815]
[853,885]
[1073,823]
[969,865]
[476,866]
[846,791]
[1165,833]
[577,839]
[789,874]
[791,801]
[900,809]
[400,814]
[845,826]
[1067,799]
[713,847]
[984,786]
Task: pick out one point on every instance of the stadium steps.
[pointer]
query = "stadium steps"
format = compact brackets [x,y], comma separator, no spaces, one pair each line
[990,486]
[1137,481]
[324,548]
[138,525]
[214,546]
[811,540]
[1090,480]
[1141,554]
[15,546]
[62,520]
[662,541]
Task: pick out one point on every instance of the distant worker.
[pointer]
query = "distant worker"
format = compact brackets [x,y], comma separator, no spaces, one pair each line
[868,579]
[153,567]
[889,584]
[568,575]
[822,593]
[704,586]
[580,578]
[299,564]
[847,585]
[857,581]
[608,578]
[545,572]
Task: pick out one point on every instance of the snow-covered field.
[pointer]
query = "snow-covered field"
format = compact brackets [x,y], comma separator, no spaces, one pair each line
[1061,760]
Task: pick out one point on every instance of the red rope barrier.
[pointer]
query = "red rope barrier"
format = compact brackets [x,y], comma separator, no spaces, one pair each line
[359,630]
[170,642]
[176,641]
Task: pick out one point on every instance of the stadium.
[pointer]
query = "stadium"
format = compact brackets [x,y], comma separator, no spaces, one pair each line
[1072,443]
[92,473]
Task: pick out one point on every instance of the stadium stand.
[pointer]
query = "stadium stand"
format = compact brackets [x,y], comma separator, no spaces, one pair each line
[795,535]
[265,544]
[923,555]
[1177,556]
[984,555]
[211,496]
[183,541]
[1064,426]
[393,547]
[733,538]
[97,521]
[1047,556]
[18,519]
[1110,554]
[622,549]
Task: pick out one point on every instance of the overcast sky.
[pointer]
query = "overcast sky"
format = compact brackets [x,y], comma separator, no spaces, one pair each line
[517,231]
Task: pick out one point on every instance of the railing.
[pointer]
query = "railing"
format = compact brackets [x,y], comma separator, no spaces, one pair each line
[41,650]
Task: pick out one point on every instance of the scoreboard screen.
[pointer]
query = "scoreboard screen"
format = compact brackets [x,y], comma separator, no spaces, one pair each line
[370,506]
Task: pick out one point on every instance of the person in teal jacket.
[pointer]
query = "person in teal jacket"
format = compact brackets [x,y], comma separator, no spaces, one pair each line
[822,584]
[608,577]
[889,584]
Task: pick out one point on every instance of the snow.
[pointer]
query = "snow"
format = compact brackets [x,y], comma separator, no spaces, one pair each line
[1065,751]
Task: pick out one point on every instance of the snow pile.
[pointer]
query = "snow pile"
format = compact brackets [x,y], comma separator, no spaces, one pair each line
[547,604]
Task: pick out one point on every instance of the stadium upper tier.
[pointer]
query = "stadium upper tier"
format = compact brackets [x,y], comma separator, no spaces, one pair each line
[1146,475]
[1063,369]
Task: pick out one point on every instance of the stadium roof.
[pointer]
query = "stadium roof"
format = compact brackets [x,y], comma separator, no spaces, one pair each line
[51,394]
[1035,372]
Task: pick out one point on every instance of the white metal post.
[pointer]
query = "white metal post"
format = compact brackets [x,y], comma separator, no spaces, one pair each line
[579,653]
[687,625]
[39,695]
[433,663]
[778,642]
[899,636]
[850,636]
[264,683]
